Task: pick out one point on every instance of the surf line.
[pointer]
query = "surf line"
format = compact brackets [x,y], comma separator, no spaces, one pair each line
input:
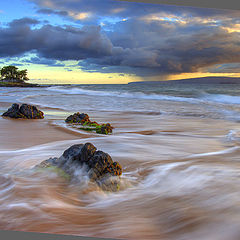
[226,151]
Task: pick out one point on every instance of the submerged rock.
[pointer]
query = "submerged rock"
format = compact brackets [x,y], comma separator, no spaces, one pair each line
[98,164]
[88,125]
[24,111]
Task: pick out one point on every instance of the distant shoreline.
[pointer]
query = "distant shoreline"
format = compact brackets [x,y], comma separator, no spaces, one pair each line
[14,84]
[202,80]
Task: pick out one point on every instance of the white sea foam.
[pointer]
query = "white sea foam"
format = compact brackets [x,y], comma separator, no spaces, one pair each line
[138,95]
[221,98]
[203,97]
[222,152]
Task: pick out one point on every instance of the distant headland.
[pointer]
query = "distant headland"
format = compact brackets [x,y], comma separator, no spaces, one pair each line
[12,77]
[202,80]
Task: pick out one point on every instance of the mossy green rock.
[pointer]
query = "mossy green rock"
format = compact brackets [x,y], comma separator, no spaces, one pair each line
[87,124]
[50,165]
[99,165]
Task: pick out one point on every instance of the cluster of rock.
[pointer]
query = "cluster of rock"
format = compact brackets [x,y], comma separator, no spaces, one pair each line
[88,125]
[31,112]
[99,165]
[24,111]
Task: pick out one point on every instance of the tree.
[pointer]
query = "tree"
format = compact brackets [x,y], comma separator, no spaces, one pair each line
[22,75]
[12,73]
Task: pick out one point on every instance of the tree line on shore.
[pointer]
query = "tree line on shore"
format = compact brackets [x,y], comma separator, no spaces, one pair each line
[12,74]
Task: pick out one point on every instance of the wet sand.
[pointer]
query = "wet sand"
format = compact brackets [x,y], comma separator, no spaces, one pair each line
[180,181]
[24,133]
[21,133]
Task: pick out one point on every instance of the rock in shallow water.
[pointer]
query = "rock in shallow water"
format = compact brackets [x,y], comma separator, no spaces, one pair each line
[104,129]
[24,111]
[99,165]
[88,125]
[78,118]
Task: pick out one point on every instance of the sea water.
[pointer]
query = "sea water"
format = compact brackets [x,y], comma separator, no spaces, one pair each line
[178,145]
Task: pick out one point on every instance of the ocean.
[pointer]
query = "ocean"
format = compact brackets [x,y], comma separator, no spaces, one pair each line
[178,144]
[221,99]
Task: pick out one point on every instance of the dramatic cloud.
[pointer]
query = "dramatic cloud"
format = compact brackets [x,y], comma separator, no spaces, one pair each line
[50,11]
[226,68]
[163,48]
[113,8]
[43,61]
[61,43]
[135,38]
[18,23]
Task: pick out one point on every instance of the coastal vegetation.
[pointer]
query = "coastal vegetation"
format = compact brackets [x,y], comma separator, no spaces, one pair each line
[11,76]
[87,124]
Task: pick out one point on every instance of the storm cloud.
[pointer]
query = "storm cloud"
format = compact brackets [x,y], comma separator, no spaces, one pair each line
[44,61]
[114,8]
[160,48]
[152,40]
[60,43]
[49,11]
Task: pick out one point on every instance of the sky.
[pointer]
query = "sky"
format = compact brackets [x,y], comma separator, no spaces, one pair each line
[116,42]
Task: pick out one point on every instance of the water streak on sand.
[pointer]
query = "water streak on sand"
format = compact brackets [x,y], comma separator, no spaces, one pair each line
[179,149]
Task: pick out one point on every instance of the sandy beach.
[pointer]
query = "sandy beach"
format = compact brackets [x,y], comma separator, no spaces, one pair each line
[17,134]
[180,171]
[120,120]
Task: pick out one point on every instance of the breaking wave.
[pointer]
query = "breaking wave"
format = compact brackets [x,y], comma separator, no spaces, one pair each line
[203,97]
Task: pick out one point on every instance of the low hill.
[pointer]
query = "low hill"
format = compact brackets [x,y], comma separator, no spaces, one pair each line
[202,80]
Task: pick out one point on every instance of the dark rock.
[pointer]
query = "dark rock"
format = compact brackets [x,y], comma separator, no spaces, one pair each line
[102,164]
[13,112]
[87,153]
[30,111]
[80,152]
[78,118]
[88,125]
[25,111]
[105,129]
[73,152]
[99,165]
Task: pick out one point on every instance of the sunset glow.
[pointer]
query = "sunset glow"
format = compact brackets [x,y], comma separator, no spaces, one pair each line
[117,42]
